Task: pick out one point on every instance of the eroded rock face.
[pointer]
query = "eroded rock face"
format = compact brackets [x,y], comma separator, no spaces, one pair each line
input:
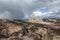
[53,23]
[20,30]
[17,30]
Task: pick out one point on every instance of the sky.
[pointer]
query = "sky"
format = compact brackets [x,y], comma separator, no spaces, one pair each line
[25,9]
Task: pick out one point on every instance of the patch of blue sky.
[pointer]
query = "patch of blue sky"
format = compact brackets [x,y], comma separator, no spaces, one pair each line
[44,10]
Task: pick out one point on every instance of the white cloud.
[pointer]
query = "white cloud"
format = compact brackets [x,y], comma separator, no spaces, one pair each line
[44,13]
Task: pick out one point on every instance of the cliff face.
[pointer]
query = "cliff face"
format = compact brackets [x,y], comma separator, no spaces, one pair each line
[31,30]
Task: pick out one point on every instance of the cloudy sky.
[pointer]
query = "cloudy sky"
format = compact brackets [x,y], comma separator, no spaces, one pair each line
[25,9]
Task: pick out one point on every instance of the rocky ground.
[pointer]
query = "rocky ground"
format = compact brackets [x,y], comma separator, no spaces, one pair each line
[39,29]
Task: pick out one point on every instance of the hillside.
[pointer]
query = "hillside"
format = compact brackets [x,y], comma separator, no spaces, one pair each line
[53,23]
[38,29]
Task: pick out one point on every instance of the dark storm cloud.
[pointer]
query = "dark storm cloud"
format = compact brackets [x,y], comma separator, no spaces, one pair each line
[10,9]
[22,9]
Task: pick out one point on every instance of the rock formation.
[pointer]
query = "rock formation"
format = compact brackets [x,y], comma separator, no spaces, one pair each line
[21,30]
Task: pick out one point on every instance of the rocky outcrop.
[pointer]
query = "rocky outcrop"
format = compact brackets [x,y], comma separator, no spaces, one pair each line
[20,30]
[50,22]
